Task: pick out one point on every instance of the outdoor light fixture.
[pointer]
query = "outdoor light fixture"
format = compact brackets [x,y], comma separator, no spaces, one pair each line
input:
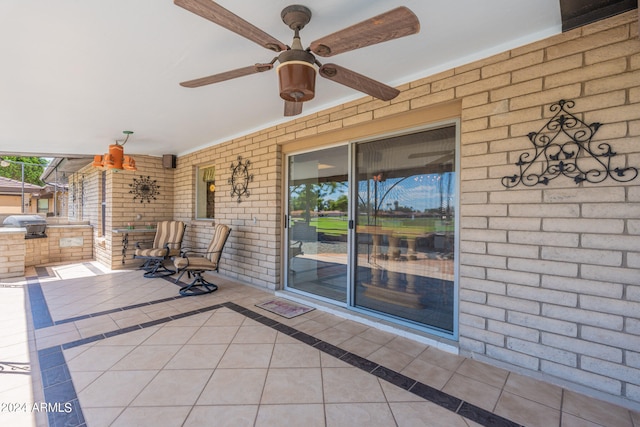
[297,73]
[115,158]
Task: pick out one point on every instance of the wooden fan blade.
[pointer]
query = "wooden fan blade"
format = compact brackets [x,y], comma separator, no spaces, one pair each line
[292,108]
[358,82]
[221,16]
[227,75]
[391,25]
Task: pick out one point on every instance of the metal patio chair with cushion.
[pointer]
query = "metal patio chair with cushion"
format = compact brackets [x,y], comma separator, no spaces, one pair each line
[196,262]
[166,244]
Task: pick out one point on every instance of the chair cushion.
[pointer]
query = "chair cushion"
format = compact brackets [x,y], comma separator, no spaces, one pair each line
[151,252]
[194,263]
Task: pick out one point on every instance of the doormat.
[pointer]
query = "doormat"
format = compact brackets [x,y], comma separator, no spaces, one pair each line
[283,308]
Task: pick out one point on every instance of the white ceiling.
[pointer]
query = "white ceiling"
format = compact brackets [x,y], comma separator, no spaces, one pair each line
[76,73]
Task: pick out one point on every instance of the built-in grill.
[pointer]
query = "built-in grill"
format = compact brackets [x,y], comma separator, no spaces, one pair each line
[36,225]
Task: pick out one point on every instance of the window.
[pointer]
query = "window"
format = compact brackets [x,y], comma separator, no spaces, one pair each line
[205,192]
[43,205]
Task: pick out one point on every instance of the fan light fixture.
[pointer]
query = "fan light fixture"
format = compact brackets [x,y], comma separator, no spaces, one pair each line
[115,158]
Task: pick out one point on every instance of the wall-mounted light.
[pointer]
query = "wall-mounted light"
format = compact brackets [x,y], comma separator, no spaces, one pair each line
[115,158]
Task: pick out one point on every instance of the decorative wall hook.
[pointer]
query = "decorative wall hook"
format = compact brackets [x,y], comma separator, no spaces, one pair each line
[240,179]
[144,189]
[578,158]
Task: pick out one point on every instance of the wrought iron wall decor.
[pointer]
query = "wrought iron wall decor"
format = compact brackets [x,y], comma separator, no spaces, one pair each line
[240,179]
[578,158]
[144,189]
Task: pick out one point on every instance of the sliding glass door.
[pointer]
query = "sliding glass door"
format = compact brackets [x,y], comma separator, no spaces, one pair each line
[318,223]
[372,225]
[404,263]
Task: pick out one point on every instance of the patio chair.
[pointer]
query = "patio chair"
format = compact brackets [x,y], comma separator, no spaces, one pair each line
[196,262]
[166,244]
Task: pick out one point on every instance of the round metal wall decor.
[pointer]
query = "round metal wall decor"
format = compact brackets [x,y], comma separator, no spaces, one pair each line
[144,189]
[240,179]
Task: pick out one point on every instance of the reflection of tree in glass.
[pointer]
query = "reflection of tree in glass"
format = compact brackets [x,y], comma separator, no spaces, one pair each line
[318,197]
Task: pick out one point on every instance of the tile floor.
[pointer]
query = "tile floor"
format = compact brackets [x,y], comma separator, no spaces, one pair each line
[109,348]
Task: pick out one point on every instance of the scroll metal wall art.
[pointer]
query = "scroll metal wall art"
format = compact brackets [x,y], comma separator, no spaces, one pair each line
[144,189]
[240,179]
[565,146]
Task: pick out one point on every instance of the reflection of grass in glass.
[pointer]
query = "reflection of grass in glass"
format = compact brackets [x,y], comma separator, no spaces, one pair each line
[339,225]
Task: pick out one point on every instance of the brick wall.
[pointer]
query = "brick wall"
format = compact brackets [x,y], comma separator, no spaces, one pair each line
[121,208]
[66,243]
[12,250]
[549,276]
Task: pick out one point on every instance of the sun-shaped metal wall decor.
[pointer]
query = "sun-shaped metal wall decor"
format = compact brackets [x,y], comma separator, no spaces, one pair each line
[144,189]
[240,179]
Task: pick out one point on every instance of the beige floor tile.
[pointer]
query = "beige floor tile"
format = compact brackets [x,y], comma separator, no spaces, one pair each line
[483,372]
[58,339]
[98,358]
[473,391]
[132,319]
[198,356]
[163,416]
[406,346]
[569,420]
[427,414]
[247,356]
[46,332]
[311,327]
[390,358]
[334,336]
[328,361]
[350,385]
[394,393]
[174,387]
[130,338]
[527,412]
[258,334]
[309,415]
[171,335]
[234,386]
[532,389]
[440,358]
[81,379]
[145,357]
[225,318]
[114,388]
[354,328]
[360,346]
[225,416]
[101,417]
[427,373]
[214,335]
[285,339]
[292,385]
[595,410]
[295,356]
[377,336]
[359,414]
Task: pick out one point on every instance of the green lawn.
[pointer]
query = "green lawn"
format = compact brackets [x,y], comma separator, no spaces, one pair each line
[339,226]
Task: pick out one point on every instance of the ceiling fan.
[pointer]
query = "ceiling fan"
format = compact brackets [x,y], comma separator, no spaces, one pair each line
[297,68]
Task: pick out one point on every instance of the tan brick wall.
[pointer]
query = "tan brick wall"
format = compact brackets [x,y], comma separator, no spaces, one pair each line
[121,208]
[12,253]
[549,276]
[51,250]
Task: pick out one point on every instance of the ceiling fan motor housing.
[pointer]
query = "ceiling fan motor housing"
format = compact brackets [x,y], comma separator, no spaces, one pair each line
[297,75]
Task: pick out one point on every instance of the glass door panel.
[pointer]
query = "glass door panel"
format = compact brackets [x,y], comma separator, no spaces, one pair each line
[405,227]
[318,223]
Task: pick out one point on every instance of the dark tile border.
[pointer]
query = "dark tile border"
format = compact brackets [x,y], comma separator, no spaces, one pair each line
[58,387]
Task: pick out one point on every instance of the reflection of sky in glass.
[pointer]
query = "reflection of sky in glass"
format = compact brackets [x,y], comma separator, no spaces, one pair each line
[419,192]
